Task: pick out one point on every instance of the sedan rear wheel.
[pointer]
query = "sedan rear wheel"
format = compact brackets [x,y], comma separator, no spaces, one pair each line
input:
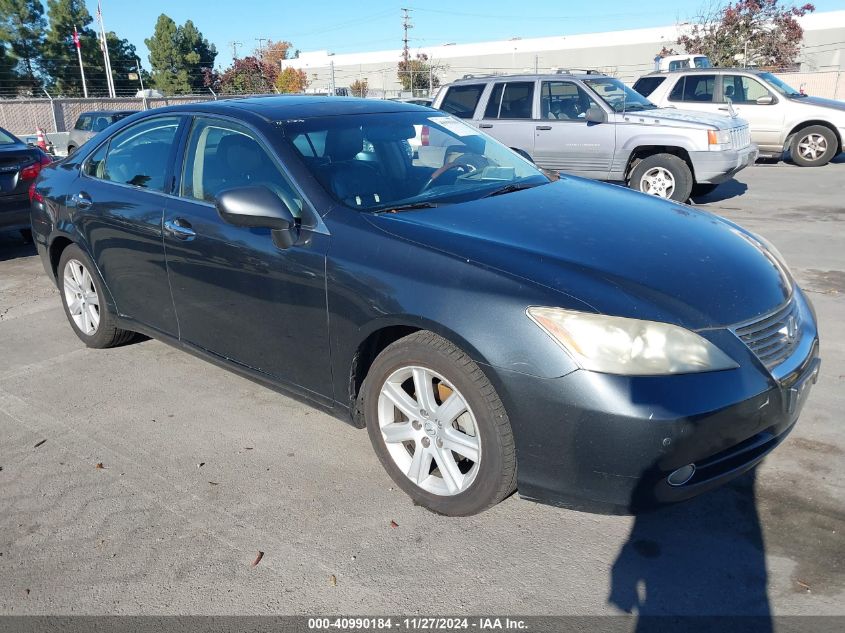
[84,300]
[438,426]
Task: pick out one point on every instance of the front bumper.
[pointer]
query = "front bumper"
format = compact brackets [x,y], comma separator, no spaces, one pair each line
[605,443]
[718,167]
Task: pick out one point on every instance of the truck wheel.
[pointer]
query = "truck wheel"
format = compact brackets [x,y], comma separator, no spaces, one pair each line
[664,176]
[813,146]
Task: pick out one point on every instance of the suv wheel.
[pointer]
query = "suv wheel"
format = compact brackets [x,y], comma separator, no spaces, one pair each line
[438,426]
[664,176]
[813,146]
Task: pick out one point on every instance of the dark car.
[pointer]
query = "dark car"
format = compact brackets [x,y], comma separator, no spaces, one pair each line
[623,350]
[19,166]
[89,124]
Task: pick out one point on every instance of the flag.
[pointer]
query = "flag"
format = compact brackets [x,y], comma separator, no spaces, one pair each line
[76,38]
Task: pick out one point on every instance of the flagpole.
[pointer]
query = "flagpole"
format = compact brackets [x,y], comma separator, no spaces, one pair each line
[79,55]
[106,58]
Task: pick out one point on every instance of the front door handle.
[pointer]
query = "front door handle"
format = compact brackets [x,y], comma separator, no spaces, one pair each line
[180,229]
[544,127]
[485,126]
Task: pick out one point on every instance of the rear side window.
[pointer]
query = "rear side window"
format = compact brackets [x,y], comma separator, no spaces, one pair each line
[138,155]
[646,85]
[83,123]
[517,100]
[696,88]
[461,101]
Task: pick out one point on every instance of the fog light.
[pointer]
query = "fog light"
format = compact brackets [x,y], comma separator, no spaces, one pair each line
[682,475]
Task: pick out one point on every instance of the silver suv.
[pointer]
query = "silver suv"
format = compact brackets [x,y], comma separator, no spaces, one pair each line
[595,126]
[91,123]
[781,118]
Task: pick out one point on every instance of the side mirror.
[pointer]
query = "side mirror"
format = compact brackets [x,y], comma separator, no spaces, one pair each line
[596,115]
[258,207]
[767,100]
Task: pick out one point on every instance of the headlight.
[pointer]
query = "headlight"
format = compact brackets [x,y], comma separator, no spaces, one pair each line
[719,140]
[630,347]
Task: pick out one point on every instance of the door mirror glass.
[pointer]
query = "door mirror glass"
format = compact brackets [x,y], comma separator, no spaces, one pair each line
[255,206]
[596,115]
[766,100]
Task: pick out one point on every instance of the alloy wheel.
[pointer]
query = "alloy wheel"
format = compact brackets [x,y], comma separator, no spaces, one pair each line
[429,430]
[658,181]
[812,146]
[81,297]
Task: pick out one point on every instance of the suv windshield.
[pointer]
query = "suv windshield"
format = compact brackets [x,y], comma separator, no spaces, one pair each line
[619,96]
[386,161]
[780,85]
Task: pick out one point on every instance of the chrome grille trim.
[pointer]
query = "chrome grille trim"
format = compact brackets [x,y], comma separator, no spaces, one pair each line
[774,337]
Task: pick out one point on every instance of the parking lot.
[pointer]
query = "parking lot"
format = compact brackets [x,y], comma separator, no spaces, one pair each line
[200,470]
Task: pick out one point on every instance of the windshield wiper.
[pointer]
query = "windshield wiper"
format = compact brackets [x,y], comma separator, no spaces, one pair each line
[410,206]
[514,186]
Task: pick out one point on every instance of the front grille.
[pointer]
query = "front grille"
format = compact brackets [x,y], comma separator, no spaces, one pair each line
[774,337]
[740,137]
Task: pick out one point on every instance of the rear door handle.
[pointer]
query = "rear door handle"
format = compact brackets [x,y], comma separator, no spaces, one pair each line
[180,229]
[485,125]
[544,127]
[82,200]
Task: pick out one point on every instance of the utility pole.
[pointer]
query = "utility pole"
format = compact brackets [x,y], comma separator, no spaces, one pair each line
[406,24]
[261,41]
[79,55]
[334,90]
[536,64]
[234,46]
[140,78]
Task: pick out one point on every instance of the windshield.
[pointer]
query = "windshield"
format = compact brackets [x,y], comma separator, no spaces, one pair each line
[382,161]
[780,85]
[619,96]
[701,62]
[6,138]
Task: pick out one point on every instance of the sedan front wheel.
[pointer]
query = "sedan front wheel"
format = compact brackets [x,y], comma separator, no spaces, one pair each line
[438,426]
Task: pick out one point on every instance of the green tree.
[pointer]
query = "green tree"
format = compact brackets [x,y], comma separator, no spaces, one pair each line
[418,74]
[8,75]
[248,76]
[178,55]
[766,29]
[291,80]
[359,88]
[59,62]
[22,25]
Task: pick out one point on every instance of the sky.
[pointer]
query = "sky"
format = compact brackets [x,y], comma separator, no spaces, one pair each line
[344,26]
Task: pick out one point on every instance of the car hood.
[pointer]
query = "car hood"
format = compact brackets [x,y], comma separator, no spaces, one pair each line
[673,117]
[617,251]
[831,104]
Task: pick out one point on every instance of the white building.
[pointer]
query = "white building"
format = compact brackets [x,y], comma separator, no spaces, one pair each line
[625,54]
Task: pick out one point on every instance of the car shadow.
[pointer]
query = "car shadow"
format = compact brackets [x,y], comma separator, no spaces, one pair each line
[730,189]
[701,559]
[13,246]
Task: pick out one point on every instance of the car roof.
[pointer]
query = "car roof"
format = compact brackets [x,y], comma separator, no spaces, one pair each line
[106,112]
[284,107]
[525,77]
[706,71]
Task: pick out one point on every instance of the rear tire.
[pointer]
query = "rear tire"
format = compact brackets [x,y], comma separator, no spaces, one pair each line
[664,176]
[455,419]
[813,146]
[84,300]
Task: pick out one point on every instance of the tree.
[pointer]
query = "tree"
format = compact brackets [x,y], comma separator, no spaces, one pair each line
[60,62]
[248,76]
[292,80]
[359,88]
[178,55]
[274,53]
[769,32]
[418,73]
[22,25]
[8,75]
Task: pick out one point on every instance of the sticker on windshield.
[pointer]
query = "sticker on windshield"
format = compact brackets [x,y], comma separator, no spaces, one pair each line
[461,129]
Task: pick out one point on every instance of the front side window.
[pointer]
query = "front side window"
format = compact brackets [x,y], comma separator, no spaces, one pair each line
[619,96]
[697,88]
[511,100]
[225,155]
[741,89]
[564,101]
[376,162]
[461,101]
[138,155]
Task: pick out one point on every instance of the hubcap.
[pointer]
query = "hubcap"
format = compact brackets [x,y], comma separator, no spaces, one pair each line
[658,181]
[429,430]
[812,146]
[81,297]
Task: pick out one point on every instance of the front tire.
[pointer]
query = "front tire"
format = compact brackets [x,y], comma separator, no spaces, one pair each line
[813,146]
[664,176]
[83,297]
[438,426]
